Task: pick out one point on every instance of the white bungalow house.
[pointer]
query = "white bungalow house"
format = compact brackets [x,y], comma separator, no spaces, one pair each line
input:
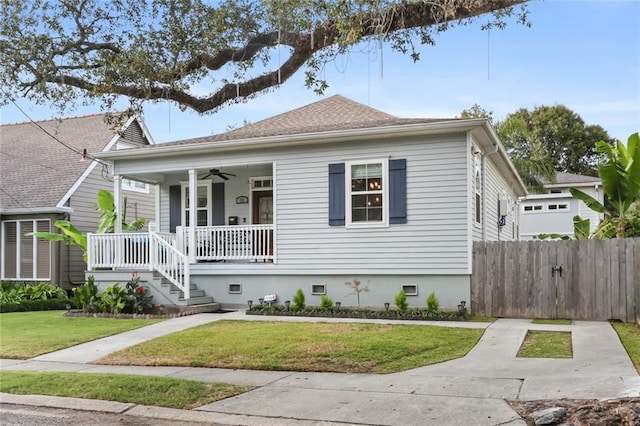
[313,198]
[553,211]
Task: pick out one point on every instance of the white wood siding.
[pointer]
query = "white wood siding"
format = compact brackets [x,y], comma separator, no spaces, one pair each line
[434,241]
[496,188]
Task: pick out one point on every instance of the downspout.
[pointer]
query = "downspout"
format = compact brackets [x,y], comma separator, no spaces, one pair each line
[484,191]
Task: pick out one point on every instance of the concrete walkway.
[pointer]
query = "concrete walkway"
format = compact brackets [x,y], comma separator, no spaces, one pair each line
[471,390]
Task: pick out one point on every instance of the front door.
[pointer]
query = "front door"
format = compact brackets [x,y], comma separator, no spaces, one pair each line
[263,207]
[263,213]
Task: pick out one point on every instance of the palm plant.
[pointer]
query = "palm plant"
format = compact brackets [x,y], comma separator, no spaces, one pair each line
[620,175]
[107,213]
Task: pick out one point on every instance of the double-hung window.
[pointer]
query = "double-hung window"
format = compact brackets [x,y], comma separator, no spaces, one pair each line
[367,188]
[368,193]
[203,204]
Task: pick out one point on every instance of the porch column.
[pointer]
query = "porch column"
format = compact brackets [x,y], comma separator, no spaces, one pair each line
[117,201]
[193,220]
[157,208]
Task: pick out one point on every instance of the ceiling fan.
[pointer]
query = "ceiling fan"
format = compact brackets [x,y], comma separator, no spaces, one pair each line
[217,172]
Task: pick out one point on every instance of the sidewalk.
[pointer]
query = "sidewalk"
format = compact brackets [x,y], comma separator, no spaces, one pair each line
[469,390]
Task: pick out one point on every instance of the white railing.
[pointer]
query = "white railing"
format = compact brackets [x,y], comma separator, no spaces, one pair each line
[170,262]
[126,250]
[239,242]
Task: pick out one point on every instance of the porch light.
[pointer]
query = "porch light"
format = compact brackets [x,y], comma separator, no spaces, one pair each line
[287,303]
[338,305]
[386,306]
[250,303]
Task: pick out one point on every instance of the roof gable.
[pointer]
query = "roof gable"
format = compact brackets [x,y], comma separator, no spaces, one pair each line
[36,170]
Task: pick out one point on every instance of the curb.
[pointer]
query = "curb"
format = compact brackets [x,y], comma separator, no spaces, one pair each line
[135,410]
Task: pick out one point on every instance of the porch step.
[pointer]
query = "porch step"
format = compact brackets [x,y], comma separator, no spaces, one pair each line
[201,300]
[201,309]
[194,293]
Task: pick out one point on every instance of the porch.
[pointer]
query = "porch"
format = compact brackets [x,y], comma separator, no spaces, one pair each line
[171,254]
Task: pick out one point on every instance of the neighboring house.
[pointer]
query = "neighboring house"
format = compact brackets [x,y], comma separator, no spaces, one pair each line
[44,177]
[553,212]
[316,197]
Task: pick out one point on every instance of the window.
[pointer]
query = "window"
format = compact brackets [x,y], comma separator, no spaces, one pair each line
[366,189]
[26,257]
[532,208]
[134,185]
[318,289]
[354,186]
[555,207]
[410,289]
[203,206]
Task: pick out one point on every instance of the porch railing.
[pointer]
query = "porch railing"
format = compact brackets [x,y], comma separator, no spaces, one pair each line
[170,262]
[127,250]
[239,242]
[153,250]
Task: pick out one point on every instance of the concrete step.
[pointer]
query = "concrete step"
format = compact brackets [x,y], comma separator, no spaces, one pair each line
[196,301]
[194,293]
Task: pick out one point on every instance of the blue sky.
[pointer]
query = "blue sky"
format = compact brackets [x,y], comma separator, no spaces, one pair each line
[582,54]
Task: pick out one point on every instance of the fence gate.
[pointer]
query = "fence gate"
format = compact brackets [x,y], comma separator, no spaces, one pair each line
[589,279]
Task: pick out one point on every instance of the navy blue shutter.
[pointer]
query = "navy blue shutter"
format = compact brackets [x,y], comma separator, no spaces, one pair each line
[217,195]
[175,207]
[398,191]
[336,194]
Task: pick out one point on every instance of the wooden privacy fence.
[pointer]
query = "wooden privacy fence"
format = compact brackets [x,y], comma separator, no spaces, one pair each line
[585,280]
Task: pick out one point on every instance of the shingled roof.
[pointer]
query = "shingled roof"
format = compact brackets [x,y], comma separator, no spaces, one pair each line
[572,178]
[36,171]
[330,114]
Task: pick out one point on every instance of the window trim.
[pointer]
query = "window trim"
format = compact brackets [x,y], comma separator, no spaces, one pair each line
[19,254]
[318,289]
[127,185]
[385,193]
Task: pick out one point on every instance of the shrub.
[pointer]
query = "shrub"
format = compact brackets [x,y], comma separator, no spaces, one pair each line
[356,289]
[298,301]
[86,295]
[401,301]
[14,292]
[138,298]
[37,305]
[432,302]
[326,302]
[114,299]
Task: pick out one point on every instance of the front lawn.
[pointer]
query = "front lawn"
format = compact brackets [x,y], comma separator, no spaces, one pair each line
[156,391]
[630,337]
[336,347]
[28,334]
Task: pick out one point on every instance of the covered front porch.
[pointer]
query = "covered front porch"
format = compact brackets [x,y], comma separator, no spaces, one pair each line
[222,214]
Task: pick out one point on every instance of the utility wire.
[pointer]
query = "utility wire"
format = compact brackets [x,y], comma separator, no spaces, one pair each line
[83,153]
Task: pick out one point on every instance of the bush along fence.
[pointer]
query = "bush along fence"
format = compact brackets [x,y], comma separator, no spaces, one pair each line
[575,279]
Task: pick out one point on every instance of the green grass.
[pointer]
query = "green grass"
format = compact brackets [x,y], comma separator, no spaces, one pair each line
[630,337]
[546,344]
[343,347]
[156,391]
[552,321]
[28,334]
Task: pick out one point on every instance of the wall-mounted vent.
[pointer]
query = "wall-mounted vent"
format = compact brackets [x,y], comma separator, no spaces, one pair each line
[318,289]
[235,288]
[410,289]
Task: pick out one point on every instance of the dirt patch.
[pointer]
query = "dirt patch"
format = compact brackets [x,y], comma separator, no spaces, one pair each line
[585,412]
